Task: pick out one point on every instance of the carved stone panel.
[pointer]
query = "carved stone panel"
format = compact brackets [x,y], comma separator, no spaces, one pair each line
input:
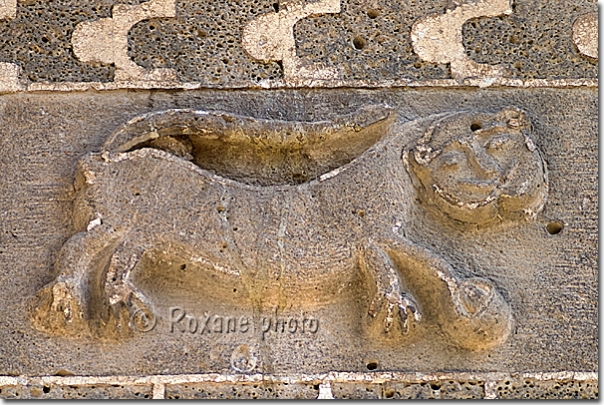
[264,212]
[225,234]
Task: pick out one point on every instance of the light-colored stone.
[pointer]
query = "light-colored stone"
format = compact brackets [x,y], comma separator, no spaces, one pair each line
[438,38]
[270,37]
[325,390]
[501,82]
[10,78]
[9,72]
[106,40]
[585,34]
[8,8]
[159,390]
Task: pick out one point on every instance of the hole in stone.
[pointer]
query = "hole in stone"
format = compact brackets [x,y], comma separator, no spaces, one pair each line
[276,7]
[475,127]
[372,365]
[46,389]
[554,227]
[371,13]
[359,42]
[183,266]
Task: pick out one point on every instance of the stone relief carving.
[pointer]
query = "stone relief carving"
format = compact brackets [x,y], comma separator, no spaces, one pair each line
[294,212]
[476,170]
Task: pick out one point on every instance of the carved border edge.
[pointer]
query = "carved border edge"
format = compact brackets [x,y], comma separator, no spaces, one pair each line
[280,84]
[159,382]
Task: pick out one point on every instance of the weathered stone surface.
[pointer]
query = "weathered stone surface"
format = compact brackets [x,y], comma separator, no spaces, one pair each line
[585,34]
[51,391]
[260,390]
[299,199]
[533,40]
[434,390]
[356,391]
[530,266]
[291,197]
[529,388]
[347,41]
[333,385]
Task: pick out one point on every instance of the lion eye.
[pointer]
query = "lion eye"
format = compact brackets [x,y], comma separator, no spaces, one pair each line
[498,143]
[451,160]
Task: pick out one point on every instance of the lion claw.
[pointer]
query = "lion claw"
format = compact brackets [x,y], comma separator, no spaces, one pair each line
[392,307]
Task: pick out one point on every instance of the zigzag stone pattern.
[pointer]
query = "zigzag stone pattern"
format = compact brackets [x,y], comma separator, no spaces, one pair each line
[271,37]
[438,38]
[200,44]
[106,40]
[9,72]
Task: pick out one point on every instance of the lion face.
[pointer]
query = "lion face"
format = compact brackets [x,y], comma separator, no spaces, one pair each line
[477,167]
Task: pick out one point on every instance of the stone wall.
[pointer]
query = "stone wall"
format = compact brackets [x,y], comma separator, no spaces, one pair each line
[79,77]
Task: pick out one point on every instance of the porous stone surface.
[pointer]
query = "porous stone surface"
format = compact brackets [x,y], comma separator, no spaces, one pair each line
[203,43]
[434,390]
[50,391]
[259,390]
[364,41]
[533,40]
[529,388]
[371,41]
[43,48]
[356,391]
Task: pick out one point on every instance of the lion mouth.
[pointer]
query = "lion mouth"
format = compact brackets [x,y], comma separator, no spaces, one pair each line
[487,190]
[478,185]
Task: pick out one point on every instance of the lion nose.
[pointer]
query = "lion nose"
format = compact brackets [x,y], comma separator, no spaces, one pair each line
[480,160]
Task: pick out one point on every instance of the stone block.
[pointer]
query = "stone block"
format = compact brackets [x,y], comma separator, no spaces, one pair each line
[258,390]
[530,388]
[52,391]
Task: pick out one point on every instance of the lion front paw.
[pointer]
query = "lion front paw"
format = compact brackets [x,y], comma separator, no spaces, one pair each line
[129,311]
[481,319]
[393,310]
[57,309]
[141,313]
